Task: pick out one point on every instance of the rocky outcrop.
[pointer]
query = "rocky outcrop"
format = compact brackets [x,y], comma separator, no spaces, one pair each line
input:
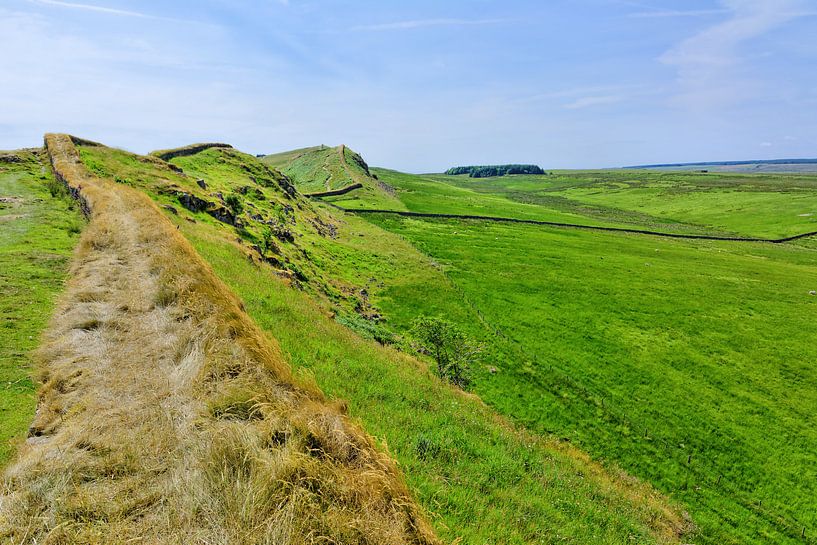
[192,202]
[10,158]
[197,204]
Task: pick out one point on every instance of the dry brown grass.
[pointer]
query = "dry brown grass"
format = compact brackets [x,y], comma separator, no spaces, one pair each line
[166,416]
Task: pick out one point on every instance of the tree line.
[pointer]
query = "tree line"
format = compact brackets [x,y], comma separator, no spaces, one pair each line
[484,171]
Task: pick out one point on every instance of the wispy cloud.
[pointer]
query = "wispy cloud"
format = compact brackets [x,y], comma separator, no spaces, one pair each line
[425,23]
[118,12]
[707,61]
[587,102]
[92,7]
[658,13]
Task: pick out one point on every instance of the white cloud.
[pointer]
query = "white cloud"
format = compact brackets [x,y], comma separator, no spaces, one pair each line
[707,62]
[676,13]
[424,23]
[92,7]
[587,102]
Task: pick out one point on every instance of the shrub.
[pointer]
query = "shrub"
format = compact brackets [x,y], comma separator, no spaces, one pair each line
[450,347]
[234,203]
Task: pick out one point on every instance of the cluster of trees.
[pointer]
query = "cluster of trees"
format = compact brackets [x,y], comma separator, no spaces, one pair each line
[484,171]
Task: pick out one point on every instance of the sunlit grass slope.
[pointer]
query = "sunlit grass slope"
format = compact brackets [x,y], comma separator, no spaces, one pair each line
[758,205]
[165,415]
[37,233]
[478,477]
[688,363]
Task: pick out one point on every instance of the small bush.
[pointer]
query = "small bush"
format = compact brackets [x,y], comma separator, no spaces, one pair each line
[234,203]
[450,347]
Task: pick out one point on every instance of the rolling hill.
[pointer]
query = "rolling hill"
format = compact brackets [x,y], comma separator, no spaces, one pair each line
[165,414]
[323,171]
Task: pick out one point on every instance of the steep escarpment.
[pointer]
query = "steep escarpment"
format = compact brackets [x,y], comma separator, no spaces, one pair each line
[166,415]
[323,171]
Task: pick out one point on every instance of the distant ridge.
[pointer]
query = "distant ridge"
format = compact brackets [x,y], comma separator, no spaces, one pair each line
[729,163]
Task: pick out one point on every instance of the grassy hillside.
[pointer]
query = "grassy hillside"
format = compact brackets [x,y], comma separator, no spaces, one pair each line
[37,233]
[478,477]
[688,363]
[283,159]
[320,169]
[167,416]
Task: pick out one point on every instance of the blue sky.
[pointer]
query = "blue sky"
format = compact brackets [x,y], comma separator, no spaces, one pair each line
[421,85]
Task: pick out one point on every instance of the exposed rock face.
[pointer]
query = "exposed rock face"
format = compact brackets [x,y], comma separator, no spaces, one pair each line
[222,214]
[358,160]
[191,202]
[10,158]
[282,233]
[197,204]
[201,183]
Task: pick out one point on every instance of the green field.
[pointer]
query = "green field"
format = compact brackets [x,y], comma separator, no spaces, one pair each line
[422,194]
[687,362]
[38,235]
[700,381]
[755,205]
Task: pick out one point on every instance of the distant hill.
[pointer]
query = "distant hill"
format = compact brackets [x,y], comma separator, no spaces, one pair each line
[768,165]
[329,172]
[485,171]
